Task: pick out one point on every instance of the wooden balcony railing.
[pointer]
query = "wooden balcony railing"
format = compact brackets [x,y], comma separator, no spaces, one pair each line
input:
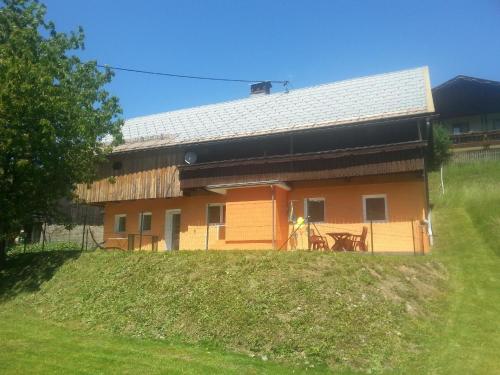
[480,138]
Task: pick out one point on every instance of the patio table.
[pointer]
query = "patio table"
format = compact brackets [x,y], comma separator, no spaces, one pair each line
[342,241]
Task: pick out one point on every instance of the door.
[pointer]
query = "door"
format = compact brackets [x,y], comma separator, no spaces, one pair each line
[172,229]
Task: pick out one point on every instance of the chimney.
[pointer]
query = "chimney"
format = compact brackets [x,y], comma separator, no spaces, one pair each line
[261,88]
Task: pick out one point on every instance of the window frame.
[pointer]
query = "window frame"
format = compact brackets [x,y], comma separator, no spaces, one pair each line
[306,208]
[116,226]
[142,230]
[386,206]
[221,214]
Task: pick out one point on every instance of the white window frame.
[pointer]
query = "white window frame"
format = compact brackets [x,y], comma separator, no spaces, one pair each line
[117,223]
[168,227]
[221,213]
[306,208]
[365,197]
[142,222]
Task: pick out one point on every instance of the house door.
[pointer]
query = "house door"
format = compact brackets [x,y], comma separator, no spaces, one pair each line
[172,229]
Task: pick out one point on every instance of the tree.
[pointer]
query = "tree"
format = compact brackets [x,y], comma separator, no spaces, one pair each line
[440,148]
[56,118]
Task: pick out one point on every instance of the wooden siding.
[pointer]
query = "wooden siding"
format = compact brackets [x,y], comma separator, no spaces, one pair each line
[154,183]
[143,175]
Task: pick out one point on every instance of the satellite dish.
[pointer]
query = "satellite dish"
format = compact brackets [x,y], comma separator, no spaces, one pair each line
[190,157]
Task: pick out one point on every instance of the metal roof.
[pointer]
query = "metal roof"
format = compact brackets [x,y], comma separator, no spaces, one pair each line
[383,96]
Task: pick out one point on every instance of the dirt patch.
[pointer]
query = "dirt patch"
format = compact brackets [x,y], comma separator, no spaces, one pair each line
[420,282]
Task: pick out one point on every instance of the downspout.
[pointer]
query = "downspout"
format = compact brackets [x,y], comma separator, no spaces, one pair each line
[428,134]
[427,220]
[273,216]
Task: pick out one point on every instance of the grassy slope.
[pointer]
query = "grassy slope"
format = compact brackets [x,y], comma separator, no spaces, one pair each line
[300,308]
[467,223]
[333,310]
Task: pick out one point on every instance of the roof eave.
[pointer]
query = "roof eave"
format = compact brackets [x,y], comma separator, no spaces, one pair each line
[365,122]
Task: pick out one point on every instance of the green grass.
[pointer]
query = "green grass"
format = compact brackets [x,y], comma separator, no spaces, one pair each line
[302,309]
[114,312]
[33,345]
[467,223]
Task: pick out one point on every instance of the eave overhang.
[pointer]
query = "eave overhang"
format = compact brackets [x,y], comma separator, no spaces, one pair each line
[360,161]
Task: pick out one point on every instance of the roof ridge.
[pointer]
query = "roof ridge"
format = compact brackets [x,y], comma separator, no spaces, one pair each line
[268,96]
[465,78]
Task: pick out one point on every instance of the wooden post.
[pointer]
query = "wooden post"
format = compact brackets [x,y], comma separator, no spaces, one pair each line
[413,236]
[308,234]
[206,238]
[422,237]
[140,229]
[84,227]
[371,234]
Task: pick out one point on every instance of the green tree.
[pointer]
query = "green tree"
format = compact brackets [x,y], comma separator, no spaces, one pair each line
[55,116]
[440,151]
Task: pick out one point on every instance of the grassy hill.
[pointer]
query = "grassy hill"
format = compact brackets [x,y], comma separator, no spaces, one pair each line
[268,312]
[467,223]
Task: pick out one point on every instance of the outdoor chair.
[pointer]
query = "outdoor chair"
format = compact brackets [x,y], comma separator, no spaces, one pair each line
[318,242]
[359,240]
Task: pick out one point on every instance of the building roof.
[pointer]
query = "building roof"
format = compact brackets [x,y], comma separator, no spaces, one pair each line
[465,96]
[377,97]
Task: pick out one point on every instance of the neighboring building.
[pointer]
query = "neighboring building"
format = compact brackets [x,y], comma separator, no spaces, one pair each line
[235,175]
[470,109]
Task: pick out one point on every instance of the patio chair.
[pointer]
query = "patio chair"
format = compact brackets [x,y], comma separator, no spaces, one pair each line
[359,240]
[318,242]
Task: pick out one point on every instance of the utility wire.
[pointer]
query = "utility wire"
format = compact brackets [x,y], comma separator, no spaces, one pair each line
[285,83]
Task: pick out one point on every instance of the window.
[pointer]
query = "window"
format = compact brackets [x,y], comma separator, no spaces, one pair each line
[460,128]
[216,214]
[315,209]
[120,223]
[375,207]
[145,218]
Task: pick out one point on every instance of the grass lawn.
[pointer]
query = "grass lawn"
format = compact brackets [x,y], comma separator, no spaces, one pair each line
[467,223]
[31,344]
[303,312]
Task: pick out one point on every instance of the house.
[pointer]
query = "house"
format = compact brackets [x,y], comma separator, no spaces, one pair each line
[241,174]
[470,109]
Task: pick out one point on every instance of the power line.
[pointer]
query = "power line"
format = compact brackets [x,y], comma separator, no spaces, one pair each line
[190,76]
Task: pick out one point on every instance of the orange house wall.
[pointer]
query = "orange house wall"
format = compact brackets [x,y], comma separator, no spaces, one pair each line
[281,216]
[193,220]
[249,216]
[344,212]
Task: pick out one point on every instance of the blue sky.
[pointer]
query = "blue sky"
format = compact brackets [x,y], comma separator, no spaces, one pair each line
[306,42]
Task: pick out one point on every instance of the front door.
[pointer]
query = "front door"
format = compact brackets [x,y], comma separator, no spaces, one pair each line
[172,229]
